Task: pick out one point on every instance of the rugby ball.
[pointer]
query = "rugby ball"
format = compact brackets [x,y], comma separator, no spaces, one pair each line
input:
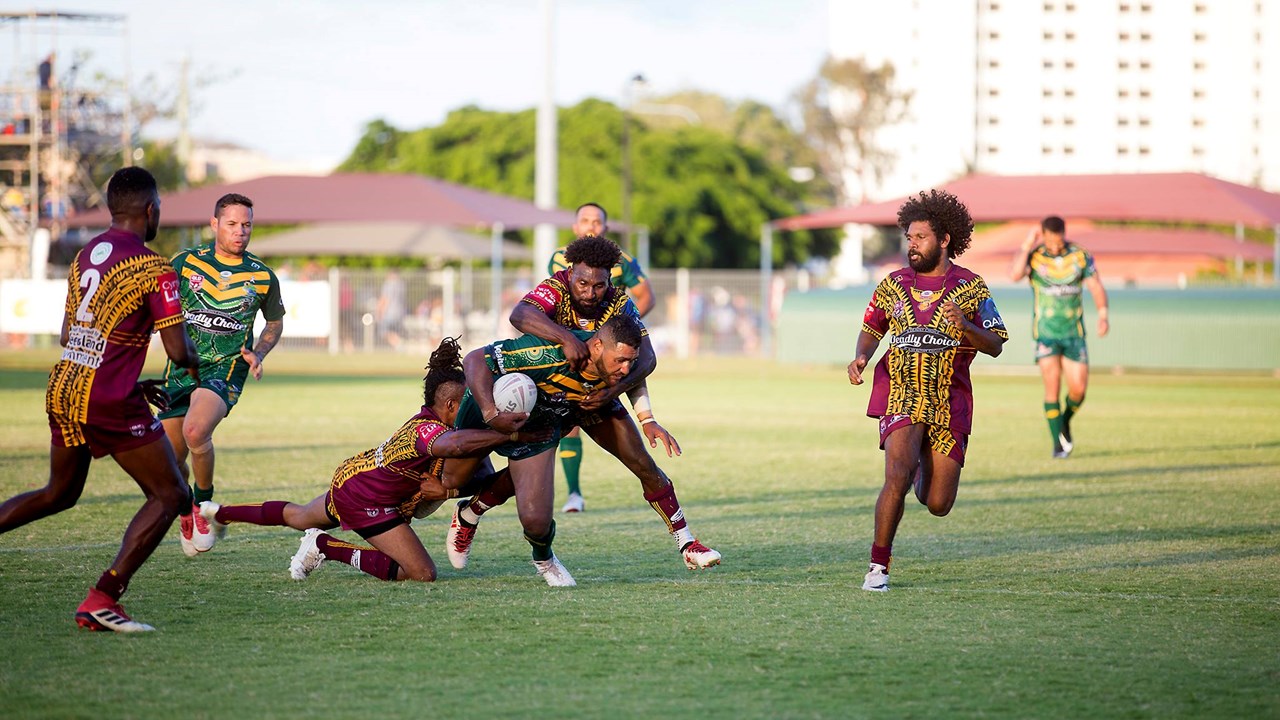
[515,393]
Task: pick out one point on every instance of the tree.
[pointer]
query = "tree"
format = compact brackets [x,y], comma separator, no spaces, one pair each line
[703,195]
[842,109]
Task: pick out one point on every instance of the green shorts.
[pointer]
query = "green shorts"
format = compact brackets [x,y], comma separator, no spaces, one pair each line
[227,380]
[1071,348]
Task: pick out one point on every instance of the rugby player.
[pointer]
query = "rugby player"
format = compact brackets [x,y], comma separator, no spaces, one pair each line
[223,288]
[118,293]
[940,316]
[1057,270]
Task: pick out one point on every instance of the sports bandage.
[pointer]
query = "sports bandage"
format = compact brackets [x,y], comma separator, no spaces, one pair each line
[639,397]
[205,447]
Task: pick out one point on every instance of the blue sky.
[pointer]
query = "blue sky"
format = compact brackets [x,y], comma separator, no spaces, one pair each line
[298,80]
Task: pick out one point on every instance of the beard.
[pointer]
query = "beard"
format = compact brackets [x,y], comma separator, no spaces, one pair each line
[923,263]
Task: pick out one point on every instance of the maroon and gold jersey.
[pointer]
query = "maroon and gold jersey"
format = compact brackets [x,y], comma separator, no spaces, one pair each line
[925,372]
[392,472]
[118,293]
[552,297]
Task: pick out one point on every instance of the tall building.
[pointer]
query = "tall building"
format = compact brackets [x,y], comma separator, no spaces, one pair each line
[1031,87]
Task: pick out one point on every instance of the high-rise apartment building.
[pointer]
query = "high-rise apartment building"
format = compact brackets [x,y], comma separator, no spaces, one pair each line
[1030,87]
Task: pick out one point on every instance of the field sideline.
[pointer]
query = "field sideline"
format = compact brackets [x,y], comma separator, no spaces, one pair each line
[1139,578]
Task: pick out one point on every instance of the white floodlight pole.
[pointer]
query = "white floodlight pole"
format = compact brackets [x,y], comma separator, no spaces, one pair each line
[546,150]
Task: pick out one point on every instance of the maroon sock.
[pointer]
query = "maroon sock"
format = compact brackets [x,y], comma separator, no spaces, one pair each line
[366,559]
[880,555]
[267,513]
[492,497]
[112,584]
[665,502]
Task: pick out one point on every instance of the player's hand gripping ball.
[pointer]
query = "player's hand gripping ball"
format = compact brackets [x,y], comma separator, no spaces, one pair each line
[515,393]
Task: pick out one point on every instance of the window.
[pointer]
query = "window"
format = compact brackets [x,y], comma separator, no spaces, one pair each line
[1124,37]
[1069,35]
[1069,64]
[1046,121]
[993,150]
[1200,37]
[1198,65]
[993,35]
[1069,7]
[993,6]
[1122,93]
[1197,151]
[1144,151]
[1201,8]
[1046,92]
[993,120]
[1144,122]
[1048,34]
[1146,7]
[1068,121]
[1048,64]
[1197,122]
[1123,64]
[1046,150]
[1122,122]
[993,92]
[1122,150]
[1144,36]
[1144,93]
[1048,7]
[1144,64]
[1069,93]
[1124,7]
[1198,94]
[1068,150]
[993,63]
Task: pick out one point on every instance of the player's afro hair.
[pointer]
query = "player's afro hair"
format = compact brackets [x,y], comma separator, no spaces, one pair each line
[593,251]
[945,214]
[445,366]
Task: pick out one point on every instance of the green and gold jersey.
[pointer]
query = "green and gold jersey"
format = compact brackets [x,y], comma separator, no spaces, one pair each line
[221,298]
[1057,283]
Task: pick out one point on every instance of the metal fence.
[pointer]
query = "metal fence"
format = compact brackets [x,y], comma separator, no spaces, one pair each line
[697,312]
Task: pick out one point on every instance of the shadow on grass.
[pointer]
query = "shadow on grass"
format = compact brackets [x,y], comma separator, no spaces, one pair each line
[1086,474]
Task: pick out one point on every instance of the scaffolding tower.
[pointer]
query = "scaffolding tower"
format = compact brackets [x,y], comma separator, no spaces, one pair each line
[53,132]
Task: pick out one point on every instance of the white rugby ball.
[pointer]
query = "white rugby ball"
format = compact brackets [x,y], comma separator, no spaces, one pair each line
[515,392]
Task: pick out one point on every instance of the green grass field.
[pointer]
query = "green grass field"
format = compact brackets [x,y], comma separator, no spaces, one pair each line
[1139,578]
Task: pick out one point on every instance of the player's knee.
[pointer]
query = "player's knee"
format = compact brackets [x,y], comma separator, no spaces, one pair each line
[941,508]
[59,499]
[421,573]
[198,445]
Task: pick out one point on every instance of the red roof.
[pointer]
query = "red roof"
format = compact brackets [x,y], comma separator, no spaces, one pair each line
[350,197]
[1166,197]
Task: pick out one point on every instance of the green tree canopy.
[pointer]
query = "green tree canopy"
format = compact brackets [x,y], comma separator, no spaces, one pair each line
[703,194]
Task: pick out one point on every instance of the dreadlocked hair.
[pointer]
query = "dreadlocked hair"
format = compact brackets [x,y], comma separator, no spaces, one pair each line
[593,251]
[445,366]
[945,214]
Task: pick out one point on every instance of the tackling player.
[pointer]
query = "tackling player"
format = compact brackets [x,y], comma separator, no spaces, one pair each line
[223,288]
[376,492]
[591,219]
[940,316]
[581,299]
[612,351]
[1057,269]
[118,292]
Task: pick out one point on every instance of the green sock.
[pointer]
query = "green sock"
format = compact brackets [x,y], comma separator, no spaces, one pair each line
[1054,416]
[1073,406]
[542,546]
[571,459]
[199,494]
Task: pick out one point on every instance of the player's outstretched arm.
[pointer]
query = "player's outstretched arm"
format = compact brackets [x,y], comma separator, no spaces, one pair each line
[643,296]
[1099,293]
[530,320]
[470,443]
[180,348]
[867,344]
[267,340]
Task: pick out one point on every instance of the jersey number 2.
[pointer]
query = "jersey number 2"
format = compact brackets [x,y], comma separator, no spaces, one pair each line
[89,282]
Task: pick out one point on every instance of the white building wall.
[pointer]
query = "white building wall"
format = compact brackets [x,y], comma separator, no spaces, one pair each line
[1017,87]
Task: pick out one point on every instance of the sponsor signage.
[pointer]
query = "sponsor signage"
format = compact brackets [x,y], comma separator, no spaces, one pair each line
[924,340]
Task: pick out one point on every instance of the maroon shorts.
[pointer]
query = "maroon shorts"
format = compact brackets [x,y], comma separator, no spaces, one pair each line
[131,426]
[941,438]
[356,513]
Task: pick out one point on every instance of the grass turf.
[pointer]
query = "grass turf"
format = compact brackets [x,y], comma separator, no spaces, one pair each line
[1139,578]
